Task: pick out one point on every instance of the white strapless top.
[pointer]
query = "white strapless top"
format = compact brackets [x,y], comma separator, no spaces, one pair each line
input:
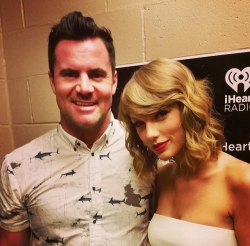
[168,231]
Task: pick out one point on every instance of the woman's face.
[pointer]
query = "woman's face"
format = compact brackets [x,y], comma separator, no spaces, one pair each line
[162,132]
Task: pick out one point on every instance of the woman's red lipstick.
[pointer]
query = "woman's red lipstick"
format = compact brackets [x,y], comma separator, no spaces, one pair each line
[160,147]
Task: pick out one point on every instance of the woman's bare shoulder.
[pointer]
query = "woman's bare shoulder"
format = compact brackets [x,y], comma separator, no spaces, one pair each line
[237,172]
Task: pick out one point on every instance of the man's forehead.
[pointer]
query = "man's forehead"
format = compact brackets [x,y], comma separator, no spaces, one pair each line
[72,54]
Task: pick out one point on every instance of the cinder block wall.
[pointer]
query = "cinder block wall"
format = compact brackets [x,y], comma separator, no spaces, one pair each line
[142,30]
[6,136]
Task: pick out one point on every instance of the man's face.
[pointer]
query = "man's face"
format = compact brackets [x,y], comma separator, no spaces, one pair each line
[84,85]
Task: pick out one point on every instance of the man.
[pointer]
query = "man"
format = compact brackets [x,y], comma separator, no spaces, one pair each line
[76,185]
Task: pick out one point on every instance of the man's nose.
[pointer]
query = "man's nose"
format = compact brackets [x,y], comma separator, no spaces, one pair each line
[84,85]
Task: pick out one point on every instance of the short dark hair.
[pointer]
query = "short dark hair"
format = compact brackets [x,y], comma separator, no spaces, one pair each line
[75,26]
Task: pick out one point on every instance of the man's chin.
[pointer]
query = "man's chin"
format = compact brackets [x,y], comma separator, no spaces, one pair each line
[90,122]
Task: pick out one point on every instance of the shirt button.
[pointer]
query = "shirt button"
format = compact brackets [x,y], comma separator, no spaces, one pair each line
[92,153]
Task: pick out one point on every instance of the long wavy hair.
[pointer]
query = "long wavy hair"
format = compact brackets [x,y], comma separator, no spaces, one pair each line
[162,83]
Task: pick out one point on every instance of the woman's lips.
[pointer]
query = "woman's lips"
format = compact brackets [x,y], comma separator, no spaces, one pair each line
[160,147]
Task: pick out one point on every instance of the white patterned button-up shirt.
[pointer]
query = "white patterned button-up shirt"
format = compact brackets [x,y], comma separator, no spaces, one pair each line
[69,194]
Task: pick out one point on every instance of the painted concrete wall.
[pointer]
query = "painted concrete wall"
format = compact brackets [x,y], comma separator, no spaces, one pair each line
[6,136]
[142,30]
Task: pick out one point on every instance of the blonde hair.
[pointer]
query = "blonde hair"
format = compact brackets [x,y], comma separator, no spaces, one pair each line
[162,83]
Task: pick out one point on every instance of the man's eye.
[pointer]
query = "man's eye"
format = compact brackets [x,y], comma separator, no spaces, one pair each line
[97,74]
[70,73]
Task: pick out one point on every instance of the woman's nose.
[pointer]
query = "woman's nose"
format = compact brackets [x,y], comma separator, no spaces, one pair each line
[151,131]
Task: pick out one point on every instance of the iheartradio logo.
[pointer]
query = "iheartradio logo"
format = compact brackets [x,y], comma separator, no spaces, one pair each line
[234,77]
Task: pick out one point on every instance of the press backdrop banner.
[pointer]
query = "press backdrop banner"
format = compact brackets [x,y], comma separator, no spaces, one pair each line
[230,78]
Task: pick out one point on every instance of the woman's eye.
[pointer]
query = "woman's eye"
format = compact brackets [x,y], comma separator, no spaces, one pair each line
[161,114]
[138,123]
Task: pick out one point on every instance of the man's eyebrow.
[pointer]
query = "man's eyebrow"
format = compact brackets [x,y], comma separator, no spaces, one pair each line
[98,70]
[97,73]
[68,71]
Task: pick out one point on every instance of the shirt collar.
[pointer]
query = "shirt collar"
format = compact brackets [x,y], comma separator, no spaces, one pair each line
[100,143]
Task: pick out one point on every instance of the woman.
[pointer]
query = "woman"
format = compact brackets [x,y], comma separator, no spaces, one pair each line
[203,194]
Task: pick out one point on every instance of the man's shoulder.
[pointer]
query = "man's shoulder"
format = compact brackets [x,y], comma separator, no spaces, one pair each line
[33,145]
[119,127]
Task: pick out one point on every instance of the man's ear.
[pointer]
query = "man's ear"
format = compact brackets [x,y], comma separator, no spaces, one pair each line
[52,82]
[115,79]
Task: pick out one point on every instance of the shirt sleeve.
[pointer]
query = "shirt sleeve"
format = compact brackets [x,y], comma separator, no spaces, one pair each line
[13,213]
